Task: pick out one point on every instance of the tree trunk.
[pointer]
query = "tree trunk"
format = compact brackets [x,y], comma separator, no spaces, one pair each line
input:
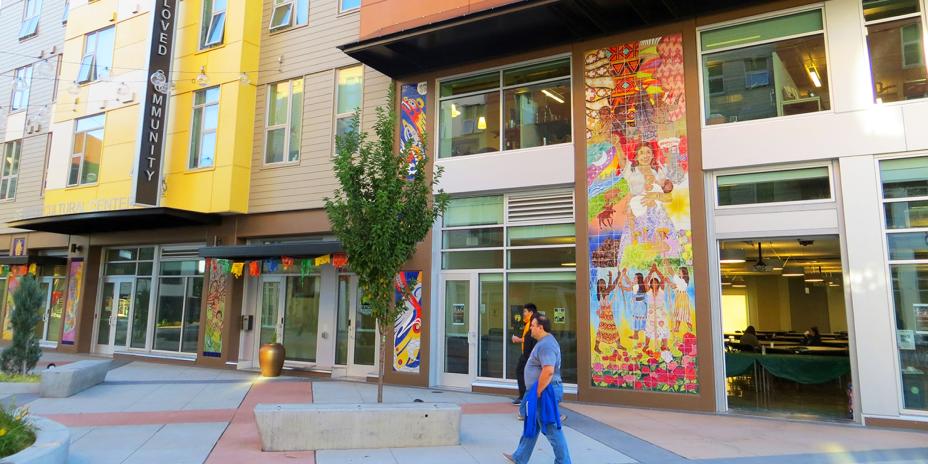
[383,360]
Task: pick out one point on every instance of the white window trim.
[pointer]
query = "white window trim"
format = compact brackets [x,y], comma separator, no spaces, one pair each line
[295,8]
[340,116]
[23,90]
[285,126]
[203,132]
[13,175]
[890,301]
[750,19]
[31,20]
[90,56]
[82,154]
[347,10]
[763,169]
[208,25]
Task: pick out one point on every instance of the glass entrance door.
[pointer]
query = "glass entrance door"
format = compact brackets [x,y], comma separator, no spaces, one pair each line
[113,315]
[290,315]
[458,344]
[49,328]
[356,339]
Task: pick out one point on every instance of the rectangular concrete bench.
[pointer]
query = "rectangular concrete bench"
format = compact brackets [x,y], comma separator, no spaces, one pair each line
[304,427]
[64,381]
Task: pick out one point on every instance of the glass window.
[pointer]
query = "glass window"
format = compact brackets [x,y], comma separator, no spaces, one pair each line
[908,246]
[170,315]
[213,24]
[536,109]
[203,131]
[904,177]
[31,14]
[492,327]
[474,211]
[549,234]
[897,54]
[538,258]
[191,331]
[554,293]
[67,9]
[97,60]
[472,238]
[484,259]
[10,171]
[910,298]
[288,13]
[347,97]
[774,186]
[284,122]
[764,69]
[22,82]
[86,150]
[301,318]
[346,5]
[906,214]
[139,335]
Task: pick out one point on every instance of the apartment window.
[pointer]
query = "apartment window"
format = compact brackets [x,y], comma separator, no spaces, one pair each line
[22,81]
[790,185]
[97,61]
[10,170]
[67,9]
[289,13]
[214,22]
[772,67]
[203,132]
[519,107]
[87,150]
[348,5]
[897,52]
[284,121]
[348,95]
[905,189]
[31,14]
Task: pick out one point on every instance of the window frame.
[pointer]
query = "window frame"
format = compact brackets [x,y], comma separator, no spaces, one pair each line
[32,21]
[922,16]
[340,116]
[90,58]
[286,126]
[83,153]
[766,169]
[11,178]
[17,90]
[67,11]
[343,10]
[702,54]
[293,22]
[207,27]
[920,43]
[501,89]
[195,162]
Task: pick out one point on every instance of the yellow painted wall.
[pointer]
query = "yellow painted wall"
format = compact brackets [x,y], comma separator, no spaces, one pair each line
[220,188]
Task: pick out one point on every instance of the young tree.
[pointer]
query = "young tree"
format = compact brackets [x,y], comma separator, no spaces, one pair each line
[383,207]
[24,352]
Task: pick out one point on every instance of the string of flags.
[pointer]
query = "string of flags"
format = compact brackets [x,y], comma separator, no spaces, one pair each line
[305,266]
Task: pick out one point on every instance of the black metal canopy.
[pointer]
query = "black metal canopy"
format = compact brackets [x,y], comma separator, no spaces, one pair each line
[291,249]
[36,259]
[116,221]
[518,27]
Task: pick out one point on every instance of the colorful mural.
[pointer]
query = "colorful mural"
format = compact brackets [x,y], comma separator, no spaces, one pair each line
[216,292]
[407,329]
[641,260]
[412,122]
[12,283]
[75,279]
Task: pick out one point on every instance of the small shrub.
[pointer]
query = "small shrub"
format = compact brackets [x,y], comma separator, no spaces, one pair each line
[24,352]
[16,433]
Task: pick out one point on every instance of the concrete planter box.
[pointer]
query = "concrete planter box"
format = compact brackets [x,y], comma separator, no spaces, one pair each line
[51,445]
[72,378]
[18,388]
[305,427]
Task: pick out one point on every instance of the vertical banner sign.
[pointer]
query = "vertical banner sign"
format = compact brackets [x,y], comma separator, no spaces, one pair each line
[146,190]
[407,329]
[412,122]
[75,279]
[642,318]
[216,292]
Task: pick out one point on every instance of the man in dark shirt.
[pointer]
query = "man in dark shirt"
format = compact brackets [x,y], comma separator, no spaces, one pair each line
[528,343]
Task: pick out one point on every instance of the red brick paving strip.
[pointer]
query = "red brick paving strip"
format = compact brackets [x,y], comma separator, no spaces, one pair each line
[241,444]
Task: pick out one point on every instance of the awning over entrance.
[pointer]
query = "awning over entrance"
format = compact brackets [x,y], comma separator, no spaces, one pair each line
[519,27]
[33,259]
[292,249]
[116,221]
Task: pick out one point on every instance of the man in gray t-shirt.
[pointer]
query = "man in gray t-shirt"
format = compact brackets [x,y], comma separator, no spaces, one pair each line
[546,353]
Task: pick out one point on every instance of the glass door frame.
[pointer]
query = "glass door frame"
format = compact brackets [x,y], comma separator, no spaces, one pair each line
[278,315]
[445,379]
[354,305]
[110,347]
[43,338]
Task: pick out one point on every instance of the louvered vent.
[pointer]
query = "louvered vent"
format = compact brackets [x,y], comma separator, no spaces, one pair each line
[547,207]
[187,252]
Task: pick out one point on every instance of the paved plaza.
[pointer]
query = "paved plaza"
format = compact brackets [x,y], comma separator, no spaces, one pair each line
[158,413]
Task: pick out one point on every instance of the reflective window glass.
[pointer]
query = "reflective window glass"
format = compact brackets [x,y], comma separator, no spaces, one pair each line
[774,186]
[474,211]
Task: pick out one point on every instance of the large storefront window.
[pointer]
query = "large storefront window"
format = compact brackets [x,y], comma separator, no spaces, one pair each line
[767,68]
[905,186]
[897,52]
[180,293]
[508,109]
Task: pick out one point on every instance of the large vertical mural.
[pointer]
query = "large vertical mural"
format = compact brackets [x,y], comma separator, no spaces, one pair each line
[642,317]
[407,330]
[216,292]
[75,280]
[412,122]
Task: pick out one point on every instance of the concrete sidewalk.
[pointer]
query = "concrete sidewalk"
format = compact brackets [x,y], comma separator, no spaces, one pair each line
[156,413]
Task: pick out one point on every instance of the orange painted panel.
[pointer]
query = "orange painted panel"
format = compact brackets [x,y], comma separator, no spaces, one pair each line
[382,17]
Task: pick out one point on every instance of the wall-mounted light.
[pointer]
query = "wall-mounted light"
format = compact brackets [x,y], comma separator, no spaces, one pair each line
[482,123]
[813,74]
[202,79]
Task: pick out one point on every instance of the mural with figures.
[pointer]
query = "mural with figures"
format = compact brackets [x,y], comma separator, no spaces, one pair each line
[643,320]
[75,282]
[407,330]
[216,293]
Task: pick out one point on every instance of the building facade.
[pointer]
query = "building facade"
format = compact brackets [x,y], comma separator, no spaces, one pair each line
[656,179]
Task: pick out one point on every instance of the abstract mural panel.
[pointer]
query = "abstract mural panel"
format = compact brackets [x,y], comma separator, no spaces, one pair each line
[407,329]
[642,315]
[412,122]
[75,280]
[216,292]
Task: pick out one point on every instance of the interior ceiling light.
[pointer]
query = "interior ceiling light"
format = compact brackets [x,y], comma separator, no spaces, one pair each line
[792,271]
[454,111]
[814,277]
[731,256]
[738,282]
[553,95]
[813,74]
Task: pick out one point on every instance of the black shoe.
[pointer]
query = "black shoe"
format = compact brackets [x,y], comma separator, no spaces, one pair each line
[517,401]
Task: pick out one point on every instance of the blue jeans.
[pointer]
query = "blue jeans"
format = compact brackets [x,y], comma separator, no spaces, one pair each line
[554,435]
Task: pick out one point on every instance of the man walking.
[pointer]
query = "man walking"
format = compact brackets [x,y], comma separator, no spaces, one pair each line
[528,343]
[544,393]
